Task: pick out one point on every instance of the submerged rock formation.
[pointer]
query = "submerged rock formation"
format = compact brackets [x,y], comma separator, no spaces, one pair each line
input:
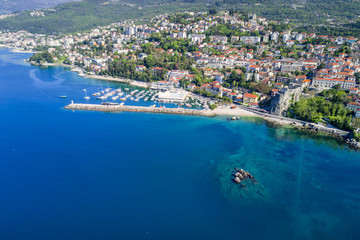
[241,175]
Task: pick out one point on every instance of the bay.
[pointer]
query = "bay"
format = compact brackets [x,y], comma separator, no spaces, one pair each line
[92,175]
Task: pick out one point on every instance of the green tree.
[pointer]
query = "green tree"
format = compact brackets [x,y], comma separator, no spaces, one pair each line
[149,61]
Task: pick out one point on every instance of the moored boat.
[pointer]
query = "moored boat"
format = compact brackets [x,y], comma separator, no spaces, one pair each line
[109,103]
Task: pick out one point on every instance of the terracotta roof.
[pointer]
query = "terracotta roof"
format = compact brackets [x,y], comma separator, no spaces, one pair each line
[329,79]
[249,95]
[354,104]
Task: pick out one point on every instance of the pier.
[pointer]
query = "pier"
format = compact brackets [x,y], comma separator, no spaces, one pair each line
[123,108]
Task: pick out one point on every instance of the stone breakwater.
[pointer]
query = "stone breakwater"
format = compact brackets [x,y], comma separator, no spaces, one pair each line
[122,108]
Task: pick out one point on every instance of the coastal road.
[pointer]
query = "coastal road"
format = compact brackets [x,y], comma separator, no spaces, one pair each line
[295,121]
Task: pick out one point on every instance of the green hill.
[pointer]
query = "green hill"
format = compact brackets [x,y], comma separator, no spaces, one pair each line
[86,14]
[7,6]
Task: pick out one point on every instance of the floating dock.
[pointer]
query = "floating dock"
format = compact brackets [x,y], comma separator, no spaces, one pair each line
[123,108]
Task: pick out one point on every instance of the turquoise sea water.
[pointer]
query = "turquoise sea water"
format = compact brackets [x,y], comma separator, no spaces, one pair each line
[90,175]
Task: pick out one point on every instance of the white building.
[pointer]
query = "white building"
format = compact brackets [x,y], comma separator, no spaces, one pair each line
[326,83]
[197,38]
[173,95]
[250,39]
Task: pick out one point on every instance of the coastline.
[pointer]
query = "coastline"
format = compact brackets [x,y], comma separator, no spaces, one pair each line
[15,49]
[223,110]
[276,121]
[81,73]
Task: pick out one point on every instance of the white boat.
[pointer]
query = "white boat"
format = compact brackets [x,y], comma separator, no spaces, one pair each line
[133,92]
[86,96]
[132,99]
[136,100]
[109,103]
[115,98]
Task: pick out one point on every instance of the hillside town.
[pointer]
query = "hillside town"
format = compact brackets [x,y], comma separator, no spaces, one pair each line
[229,56]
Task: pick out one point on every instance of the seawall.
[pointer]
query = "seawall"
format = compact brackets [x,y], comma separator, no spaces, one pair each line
[284,121]
[123,108]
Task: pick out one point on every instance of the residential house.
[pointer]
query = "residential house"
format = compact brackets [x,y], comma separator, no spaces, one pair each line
[249,98]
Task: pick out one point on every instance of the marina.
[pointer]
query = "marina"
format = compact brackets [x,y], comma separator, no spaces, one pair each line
[173,98]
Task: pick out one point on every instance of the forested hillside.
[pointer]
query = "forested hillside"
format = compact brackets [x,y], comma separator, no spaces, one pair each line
[86,14]
[9,6]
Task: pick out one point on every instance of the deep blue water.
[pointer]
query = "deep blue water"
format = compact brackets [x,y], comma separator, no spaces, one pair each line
[90,175]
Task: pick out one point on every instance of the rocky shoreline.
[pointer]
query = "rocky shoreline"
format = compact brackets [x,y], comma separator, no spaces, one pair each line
[344,136]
